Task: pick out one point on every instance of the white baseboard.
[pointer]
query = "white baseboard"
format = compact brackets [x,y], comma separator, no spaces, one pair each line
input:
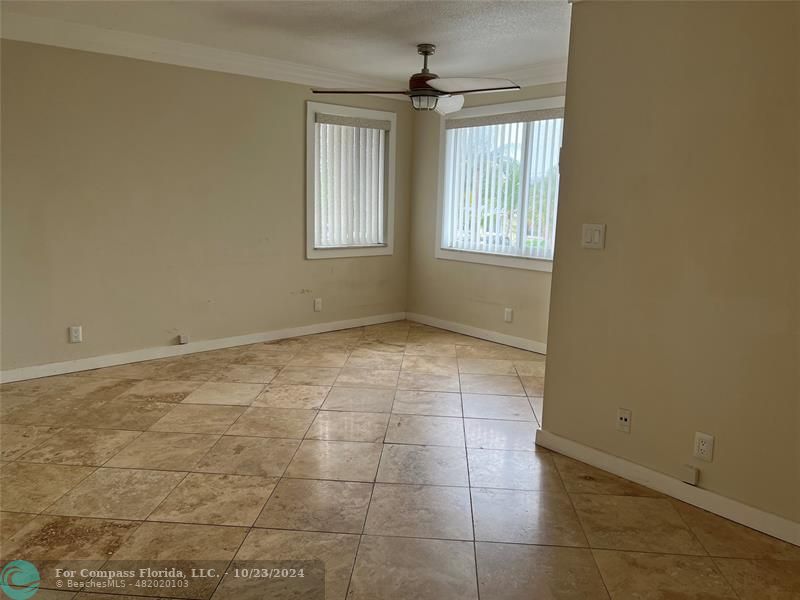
[111,360]
[484,334]
[752,517]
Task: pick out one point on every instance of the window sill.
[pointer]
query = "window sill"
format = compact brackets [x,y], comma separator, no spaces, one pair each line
[496,260]
[349,252]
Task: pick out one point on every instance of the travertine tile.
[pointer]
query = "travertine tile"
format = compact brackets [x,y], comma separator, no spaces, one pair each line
[179,541]
[193,367]
[366,359]
[518,572]
[238,394]
[413,569]
[724,538]
[216,499]
[442,404]
[433,365]
[647,575]
[184,546]
[374,378]
[122,414]
[534,386]
[425,430]
[491,351]
[273,422]
[235,373]
[117,494]
[359,399]
[344,461]
[16,440]
[422,511]
[489,406]
[29,487]
[486,366]
[306,358]
[336,550]
[500,435]
[530,368]
[240,455]
[198,418]
[505,385]
[292,396]
[428,465]
[349,426]
[580,478]
[307,376]
[156,390]
[513,469]
[81,447]
[63,540]
[762,579]
[390,345]
[426,382]
[635,524]
[430,349]
[524,517]
[308,504]
[11,523]
[163,450]
[263,355]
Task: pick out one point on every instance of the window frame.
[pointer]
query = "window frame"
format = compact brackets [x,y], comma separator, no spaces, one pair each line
[385,249]
[474,256]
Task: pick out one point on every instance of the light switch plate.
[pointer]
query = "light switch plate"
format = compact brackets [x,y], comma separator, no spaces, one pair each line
[593,236]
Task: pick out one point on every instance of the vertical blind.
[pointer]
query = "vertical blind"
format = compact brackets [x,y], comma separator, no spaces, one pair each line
[501,185]
[350,159]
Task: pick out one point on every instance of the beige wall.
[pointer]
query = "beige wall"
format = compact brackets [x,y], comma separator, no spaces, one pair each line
[142,200]
[461,292]
[682,135]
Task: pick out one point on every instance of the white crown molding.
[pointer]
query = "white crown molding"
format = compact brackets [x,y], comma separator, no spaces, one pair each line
[752,517]
[78,36]
[554,71]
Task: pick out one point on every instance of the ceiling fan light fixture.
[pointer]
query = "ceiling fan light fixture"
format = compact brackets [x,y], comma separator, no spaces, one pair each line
[424,101]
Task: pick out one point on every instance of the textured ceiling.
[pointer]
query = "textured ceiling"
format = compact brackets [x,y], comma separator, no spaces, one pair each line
[376,39]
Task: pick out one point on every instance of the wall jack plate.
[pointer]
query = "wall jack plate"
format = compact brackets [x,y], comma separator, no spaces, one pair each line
[624,420]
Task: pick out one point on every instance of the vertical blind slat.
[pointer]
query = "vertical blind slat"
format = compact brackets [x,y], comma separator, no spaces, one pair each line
[501,188]
[348,185]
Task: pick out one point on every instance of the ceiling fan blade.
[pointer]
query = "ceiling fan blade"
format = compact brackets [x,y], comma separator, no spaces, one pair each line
[449,104]
[471,85]
[340,91]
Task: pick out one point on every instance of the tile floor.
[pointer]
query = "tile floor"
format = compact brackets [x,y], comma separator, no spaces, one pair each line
[400,455]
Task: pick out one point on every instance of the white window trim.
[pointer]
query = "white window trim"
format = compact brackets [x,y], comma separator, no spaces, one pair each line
[312,108]
[486,258]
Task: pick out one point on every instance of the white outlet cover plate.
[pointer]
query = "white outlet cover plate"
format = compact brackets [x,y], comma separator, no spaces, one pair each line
[703,446]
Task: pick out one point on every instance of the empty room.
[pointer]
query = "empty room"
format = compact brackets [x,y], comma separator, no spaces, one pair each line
[399,300]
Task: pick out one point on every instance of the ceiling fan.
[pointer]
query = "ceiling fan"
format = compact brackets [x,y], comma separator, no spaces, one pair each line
[428,91]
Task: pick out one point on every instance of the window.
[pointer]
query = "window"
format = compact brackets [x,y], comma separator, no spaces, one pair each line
[500,184]
[350,181]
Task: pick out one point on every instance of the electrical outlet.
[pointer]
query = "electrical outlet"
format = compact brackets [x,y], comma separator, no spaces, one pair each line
[317,304]
[76,334]
[508,315]
[703,446]
[624,420]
